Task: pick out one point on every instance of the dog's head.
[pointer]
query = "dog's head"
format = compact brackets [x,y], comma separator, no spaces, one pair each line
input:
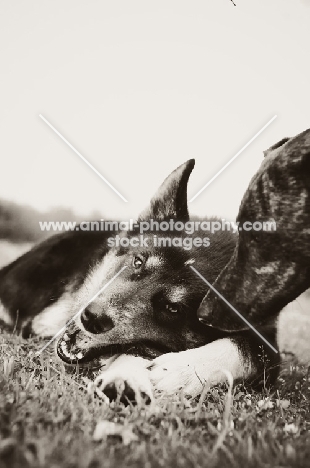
[150,307]
[268,268]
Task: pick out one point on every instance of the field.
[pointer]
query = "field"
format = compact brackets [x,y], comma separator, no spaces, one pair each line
[48,420]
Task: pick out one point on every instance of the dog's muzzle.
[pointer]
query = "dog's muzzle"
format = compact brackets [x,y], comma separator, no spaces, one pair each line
[205,312]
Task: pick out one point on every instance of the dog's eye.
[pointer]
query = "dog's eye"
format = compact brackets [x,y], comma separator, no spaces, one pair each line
[173,308]
[137,262]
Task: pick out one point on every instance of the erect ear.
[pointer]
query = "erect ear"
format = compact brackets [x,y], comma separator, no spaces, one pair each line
[275,146]
[170,201]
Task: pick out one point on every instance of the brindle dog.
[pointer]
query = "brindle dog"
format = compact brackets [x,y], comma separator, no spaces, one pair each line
[268,269]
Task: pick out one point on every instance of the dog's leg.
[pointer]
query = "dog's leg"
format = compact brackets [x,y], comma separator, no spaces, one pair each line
[127,379]
[190,371]
[134,378]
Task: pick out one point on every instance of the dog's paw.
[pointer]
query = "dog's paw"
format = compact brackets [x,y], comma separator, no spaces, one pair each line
[194,370]
[126,380]
[175,372]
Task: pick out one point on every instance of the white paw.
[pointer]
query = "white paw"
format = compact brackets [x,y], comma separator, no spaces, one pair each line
[126,380]
[194,370]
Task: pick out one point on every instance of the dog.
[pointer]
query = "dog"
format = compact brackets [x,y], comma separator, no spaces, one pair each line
[268,269]
[142,331]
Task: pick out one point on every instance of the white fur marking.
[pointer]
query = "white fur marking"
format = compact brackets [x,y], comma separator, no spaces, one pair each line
[191,370]
[54,317]
[154,261]
[125,369]
[270,268]
[5,316]
[188,371]
[100,273]
[177,293]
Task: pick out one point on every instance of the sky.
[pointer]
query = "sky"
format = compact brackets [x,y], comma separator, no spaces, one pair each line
[140,86]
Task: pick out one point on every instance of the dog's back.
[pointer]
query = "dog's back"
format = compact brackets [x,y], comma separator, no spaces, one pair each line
[41,276]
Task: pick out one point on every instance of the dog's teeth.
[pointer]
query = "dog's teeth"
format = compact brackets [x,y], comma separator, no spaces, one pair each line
[64,349]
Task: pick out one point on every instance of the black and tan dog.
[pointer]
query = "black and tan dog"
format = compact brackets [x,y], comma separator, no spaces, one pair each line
[268,270]
[148,312]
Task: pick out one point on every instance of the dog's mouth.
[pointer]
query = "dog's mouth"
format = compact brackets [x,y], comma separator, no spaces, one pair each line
[71,352]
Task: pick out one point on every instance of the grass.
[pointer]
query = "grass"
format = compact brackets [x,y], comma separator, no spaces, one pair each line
[48,420]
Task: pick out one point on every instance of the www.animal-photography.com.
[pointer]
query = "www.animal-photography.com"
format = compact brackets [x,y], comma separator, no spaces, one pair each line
[154,234]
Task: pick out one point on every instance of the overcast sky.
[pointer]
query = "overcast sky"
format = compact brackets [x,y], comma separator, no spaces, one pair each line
[138,87]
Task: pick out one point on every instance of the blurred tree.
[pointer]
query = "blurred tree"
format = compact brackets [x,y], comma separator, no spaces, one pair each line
[20,223]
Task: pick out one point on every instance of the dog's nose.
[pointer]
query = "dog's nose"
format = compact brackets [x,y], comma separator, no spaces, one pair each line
[94,323]
[205,312]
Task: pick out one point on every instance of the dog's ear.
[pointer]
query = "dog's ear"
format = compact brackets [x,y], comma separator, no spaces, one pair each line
[275,146]
[170,201]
